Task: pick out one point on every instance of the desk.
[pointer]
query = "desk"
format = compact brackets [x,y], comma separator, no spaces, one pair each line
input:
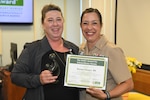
[10,91]
[141,81]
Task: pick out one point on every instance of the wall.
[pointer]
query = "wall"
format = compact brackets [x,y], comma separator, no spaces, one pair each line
[71,9]
[133,28]
[27,33]
[72,20]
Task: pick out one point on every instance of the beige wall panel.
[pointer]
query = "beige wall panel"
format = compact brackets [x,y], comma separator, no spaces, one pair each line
[133,28]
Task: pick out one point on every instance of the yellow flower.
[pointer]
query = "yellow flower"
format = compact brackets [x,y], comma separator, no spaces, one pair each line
[133,64]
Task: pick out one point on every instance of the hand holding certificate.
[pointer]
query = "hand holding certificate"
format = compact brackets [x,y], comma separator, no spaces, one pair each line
[86,71]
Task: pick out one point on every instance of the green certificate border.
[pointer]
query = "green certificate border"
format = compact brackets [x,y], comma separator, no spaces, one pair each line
[87,61]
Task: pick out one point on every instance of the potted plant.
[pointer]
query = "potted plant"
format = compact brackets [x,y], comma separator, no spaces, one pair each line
[133,64]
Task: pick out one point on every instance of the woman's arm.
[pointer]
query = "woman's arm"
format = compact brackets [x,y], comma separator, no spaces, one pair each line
[116,92]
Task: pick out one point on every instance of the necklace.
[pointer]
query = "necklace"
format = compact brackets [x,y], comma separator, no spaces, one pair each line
[60,57]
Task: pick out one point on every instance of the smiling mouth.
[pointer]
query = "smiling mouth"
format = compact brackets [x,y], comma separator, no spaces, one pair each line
[89,33]
[55,30]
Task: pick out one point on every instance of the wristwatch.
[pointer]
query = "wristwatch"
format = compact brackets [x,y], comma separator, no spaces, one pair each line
[107,94]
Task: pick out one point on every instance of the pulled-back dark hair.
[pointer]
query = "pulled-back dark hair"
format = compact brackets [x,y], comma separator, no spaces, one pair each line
[47,8]
[90,10]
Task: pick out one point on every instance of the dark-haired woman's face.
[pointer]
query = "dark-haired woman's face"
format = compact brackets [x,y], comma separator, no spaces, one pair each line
[91,27]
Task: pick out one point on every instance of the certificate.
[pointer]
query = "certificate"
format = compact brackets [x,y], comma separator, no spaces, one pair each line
[86,71]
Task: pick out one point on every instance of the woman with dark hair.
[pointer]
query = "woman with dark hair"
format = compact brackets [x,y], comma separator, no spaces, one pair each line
[41,65]
[119,80]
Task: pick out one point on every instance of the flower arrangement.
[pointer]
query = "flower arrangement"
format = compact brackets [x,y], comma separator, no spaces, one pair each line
[133,64]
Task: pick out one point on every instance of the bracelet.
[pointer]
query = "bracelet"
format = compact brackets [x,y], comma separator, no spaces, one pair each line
[107,94]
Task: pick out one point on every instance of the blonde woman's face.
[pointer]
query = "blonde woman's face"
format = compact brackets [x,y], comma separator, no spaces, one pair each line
[53,24]
[91,27]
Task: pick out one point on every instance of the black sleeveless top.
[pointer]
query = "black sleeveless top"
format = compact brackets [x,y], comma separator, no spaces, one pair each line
[57,90]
